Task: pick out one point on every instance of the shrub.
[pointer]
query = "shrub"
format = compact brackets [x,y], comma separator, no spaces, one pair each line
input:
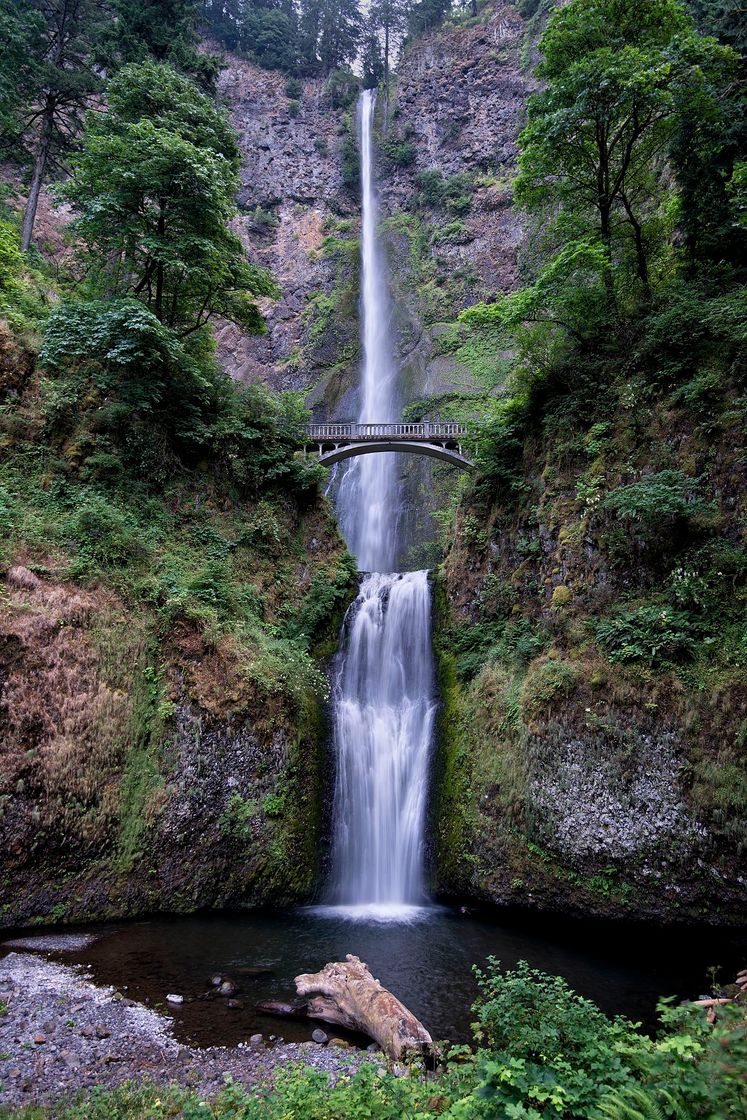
[400,152]
[343,88]
[650,635]
[546,1048]
[238,817]
[546,683]
[293,89]
[455,233]
[350,161]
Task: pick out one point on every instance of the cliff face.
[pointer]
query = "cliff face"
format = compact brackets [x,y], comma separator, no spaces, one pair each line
[148,767]
[300,220]
[593,728]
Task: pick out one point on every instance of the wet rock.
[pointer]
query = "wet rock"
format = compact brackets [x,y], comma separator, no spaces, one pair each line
[172,997]
[215,981]
[320,1036]
[256,1041]
[228,988]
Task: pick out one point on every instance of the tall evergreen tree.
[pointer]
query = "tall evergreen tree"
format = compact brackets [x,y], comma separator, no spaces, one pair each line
[390,19]
[330,33]
[160,29]
[54,84]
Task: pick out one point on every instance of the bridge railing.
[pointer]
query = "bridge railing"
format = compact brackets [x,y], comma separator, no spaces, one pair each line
[428,429]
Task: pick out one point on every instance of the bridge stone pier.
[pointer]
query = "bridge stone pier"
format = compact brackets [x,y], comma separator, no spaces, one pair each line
[437,438]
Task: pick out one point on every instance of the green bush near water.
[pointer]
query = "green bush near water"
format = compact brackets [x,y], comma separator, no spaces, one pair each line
[541,1053]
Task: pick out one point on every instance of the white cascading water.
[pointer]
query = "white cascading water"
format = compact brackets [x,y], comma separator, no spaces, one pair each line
[368,500]
[384,702]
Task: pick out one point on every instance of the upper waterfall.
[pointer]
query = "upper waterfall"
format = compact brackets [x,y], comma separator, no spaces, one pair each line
[369,497]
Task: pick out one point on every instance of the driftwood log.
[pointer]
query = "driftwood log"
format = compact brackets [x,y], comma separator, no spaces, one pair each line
[345,993]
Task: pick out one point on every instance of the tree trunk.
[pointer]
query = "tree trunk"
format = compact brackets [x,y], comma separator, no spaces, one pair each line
[40,164]
[606,232]
[640,251]
[345,993]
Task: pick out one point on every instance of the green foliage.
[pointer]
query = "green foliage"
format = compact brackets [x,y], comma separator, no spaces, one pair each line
[161,29]
[238,817]
[350,157]
[342,88]
[454,233]
[293,89]
[153,190]
[547,682]
[402,153]
[657,509]
[439,191]
[652,635]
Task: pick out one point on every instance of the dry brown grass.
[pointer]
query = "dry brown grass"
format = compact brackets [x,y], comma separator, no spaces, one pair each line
[63,723]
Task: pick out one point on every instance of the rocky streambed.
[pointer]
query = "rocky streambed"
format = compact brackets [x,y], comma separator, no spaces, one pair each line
[61,1034]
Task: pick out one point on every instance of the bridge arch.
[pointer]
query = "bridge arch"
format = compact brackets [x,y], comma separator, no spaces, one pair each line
[435,451]
[438,439]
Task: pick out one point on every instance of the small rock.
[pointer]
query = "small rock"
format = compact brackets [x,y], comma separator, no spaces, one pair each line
[87,1032]
[256,1040]
[235,1004]
[373,1048]
[192,1077]
[338,1042]
[215,981]
[319,1036]
[172,997]
[228,988]
[40,1038]
[102,1031]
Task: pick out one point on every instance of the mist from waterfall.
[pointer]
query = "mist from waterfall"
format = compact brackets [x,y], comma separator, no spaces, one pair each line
[384,695]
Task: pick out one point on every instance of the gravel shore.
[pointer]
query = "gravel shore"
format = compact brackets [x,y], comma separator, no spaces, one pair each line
[62,1034]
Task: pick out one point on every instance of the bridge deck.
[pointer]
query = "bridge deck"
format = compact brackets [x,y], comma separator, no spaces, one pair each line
[428,431]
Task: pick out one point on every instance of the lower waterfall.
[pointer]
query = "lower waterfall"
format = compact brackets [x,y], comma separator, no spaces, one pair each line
[384,708]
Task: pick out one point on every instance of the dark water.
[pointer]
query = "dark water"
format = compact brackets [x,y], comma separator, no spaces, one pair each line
[426,963]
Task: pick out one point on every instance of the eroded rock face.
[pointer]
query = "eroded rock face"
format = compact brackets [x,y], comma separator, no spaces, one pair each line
[591,802]
[140,771]
[292,173]
[460,97]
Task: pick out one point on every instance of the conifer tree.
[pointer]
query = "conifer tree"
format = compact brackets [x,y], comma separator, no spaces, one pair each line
[53,85]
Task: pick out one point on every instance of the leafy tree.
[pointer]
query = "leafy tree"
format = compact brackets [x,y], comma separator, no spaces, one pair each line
[153,191]
[620,77]
[48,67]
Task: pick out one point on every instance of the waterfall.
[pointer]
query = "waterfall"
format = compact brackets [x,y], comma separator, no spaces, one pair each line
[369,500]
[383,721]
[383,697]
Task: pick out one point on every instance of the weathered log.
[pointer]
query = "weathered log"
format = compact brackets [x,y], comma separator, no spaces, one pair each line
[347,994]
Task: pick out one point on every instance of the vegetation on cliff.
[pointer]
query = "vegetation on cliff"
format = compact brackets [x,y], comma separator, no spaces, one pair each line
[595,713]
[170,567]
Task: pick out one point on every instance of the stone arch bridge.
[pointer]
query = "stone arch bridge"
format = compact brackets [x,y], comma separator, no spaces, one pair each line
[437,438]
